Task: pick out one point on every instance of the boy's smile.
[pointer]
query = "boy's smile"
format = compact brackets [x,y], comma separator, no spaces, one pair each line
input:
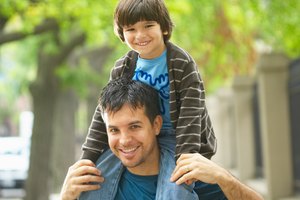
[146,38]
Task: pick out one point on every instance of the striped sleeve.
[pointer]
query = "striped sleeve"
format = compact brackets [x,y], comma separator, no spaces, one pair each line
[194,132]
[96,141]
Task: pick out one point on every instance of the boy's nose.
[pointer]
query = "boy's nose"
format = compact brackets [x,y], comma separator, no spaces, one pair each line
[140,34]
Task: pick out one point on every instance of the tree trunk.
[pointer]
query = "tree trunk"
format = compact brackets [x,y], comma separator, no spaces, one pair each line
[44,93]
[64,140]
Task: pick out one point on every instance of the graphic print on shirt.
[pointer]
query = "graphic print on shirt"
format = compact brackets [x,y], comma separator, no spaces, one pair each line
[160,83]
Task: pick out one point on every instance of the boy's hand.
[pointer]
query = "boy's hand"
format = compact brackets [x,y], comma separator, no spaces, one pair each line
[81,177]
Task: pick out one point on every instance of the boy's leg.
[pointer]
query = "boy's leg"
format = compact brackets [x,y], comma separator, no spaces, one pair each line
[207,191]
[167,140]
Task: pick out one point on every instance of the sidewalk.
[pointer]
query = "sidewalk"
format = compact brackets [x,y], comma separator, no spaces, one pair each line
[18,194]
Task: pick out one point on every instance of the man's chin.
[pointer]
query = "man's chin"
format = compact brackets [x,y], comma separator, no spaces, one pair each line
[129,164]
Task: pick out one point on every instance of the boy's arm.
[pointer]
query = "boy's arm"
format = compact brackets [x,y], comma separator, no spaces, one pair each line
[96,140]
[194,130]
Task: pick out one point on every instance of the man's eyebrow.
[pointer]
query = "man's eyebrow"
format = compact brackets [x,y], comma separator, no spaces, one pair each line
[131,123]
[135,122]
[112,126]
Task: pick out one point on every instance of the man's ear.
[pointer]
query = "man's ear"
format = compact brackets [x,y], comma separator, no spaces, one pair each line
[157,124]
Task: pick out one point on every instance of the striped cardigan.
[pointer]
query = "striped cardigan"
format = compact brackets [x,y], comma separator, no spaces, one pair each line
[189,117]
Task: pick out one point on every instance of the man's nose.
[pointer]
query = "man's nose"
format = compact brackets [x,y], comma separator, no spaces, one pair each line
[125,139]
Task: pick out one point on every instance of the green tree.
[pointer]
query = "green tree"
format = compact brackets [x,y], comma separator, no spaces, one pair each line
[220,35]
[64,25]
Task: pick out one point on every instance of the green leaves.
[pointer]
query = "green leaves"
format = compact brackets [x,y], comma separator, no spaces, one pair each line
[220,35]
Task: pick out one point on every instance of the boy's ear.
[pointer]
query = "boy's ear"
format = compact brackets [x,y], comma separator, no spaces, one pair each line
[157,124]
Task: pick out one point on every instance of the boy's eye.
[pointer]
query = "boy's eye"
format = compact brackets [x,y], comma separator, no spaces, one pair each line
[149,25]
[128,29]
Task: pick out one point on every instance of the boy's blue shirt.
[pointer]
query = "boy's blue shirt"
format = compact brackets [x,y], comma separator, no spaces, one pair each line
[154,72]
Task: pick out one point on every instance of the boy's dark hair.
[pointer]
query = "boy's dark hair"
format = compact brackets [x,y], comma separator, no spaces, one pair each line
[126,91]
[128,12]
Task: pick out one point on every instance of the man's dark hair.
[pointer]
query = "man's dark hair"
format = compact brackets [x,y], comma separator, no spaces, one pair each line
[129,12]
[134,93]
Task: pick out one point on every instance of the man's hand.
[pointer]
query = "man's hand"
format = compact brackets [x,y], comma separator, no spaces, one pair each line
[193,167]
[82,176]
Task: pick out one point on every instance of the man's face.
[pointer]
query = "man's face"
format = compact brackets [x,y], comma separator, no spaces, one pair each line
[132,138]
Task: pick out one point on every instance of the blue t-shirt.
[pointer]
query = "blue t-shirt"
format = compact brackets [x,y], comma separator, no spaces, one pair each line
[135,187]
[154,72]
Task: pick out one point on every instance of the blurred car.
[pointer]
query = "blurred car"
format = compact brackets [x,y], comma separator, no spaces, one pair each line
[14,161]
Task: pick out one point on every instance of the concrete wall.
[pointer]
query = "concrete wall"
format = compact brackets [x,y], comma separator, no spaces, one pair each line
[233,107]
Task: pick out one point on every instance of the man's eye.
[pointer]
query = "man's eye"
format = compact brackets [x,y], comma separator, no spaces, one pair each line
[113,131]
[135,126]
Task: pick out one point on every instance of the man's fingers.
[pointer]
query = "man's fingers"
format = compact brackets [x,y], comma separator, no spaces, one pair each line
[77,189]
[83,162]
[180,170]
[79,169]
[87,179]
[87,170]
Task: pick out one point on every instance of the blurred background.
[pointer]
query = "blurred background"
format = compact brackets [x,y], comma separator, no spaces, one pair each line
[56,55]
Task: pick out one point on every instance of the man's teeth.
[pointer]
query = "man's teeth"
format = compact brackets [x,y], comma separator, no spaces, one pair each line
[129,150]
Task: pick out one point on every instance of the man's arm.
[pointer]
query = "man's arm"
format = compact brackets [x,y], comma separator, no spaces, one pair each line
[79,179]
[191,167]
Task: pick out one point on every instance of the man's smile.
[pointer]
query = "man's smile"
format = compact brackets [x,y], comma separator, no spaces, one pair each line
[128,152]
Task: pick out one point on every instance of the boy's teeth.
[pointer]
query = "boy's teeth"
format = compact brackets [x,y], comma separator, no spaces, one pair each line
[143,43]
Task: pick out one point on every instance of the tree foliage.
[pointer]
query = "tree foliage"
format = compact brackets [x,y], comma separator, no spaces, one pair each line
[220,35]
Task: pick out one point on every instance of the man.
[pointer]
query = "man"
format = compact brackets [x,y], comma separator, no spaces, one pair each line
[131,113]
[130,110]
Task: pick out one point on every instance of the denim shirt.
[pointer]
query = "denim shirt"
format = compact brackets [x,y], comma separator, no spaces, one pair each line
[112,169]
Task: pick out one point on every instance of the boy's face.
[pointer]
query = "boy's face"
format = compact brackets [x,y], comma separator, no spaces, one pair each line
[146,38]
[132,138]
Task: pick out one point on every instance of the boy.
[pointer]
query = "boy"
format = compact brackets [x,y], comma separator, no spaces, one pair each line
[145,26]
